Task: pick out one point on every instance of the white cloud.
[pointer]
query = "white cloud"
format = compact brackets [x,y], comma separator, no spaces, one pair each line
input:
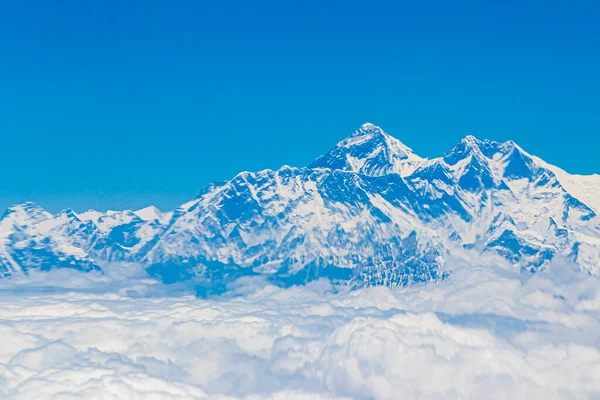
[481,334]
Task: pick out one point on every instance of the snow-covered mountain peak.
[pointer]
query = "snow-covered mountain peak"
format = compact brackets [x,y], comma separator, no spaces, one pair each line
[496,160]
[68,214]
[29,208]
[106,221]
[150,213]
[469,146]
[489,149]
[24,214]
[369,125]
[471,140]
[370,151]
[370,133]
[369,211]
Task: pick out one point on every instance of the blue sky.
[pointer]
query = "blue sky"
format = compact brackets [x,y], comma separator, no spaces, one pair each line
[125,104]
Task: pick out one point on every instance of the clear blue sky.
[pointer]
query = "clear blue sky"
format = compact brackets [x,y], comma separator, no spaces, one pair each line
[123,104]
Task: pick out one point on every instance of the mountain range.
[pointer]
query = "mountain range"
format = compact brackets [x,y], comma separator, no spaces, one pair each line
[369,212]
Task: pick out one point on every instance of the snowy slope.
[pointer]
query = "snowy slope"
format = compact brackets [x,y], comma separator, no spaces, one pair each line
[584,187]
[370,211]
[30,239]
[370,151]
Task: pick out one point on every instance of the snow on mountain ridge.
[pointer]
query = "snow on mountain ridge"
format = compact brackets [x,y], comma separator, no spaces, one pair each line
[370,211]
[583,187]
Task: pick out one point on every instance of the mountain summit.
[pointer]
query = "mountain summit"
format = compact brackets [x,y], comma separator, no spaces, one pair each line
[370,151]
[369,212]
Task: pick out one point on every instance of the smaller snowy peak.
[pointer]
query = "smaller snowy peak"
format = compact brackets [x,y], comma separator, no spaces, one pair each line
[467,147]
[68,214]
[110,219]
[90,215]
[370,151]
[148,213]
[471,140]
[152,213]
[489,149]
[28,207]
[25,213]
[499,160]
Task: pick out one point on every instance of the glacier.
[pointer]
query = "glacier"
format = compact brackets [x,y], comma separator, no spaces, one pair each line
[370,212]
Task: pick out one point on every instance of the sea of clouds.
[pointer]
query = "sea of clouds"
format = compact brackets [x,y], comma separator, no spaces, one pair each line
[481,334]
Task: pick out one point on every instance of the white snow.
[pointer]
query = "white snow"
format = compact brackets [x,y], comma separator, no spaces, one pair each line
[152,213]
[291,205]
[585,188]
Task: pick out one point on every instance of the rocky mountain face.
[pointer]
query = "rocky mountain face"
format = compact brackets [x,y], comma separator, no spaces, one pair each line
[368,212]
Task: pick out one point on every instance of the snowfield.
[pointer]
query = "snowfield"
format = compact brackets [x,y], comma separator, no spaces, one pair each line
[483,333]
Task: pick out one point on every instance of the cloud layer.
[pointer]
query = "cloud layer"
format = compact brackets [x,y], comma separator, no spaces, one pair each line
[481,334]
